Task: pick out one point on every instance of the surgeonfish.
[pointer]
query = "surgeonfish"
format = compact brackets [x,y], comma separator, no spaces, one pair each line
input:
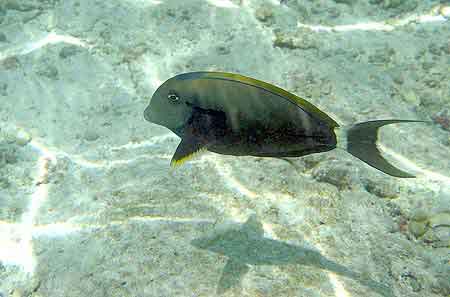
[232,114]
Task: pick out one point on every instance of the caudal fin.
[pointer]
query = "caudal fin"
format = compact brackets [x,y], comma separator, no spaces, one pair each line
[361,142]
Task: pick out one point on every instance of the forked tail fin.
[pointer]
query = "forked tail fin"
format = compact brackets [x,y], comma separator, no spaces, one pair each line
[360,140]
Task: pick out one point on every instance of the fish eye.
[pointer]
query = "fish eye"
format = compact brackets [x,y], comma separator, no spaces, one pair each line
[173,97]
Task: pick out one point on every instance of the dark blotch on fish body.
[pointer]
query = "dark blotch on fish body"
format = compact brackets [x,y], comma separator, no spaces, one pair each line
[236,115]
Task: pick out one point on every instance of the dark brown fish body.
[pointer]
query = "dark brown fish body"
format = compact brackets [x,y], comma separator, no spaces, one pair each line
[289,140]
[232,114]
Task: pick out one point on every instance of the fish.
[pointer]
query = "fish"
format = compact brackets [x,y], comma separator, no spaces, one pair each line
[232,114]
[245,245]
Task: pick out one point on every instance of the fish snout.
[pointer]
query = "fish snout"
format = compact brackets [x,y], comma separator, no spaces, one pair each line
[198,243]
[202,243]
[147,114]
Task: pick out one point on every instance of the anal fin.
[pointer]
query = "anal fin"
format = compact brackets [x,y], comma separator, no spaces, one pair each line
[232,275]
[186,150]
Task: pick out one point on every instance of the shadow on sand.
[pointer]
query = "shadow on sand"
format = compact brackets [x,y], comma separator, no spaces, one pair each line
[248,246]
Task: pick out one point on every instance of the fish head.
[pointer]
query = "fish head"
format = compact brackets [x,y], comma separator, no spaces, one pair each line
[169,105]
[233,242]
[219,242]
[202,243]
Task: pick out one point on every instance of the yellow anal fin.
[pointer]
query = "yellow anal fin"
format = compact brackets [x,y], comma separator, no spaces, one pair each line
[186,150]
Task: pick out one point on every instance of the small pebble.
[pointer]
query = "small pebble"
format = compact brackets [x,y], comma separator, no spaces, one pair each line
[333,12]
[434,49]
[170,12]
[91,135]
[446,48]
[3,89]
[441,219]
[16,135]
[397,77]
[339,177]
[442,234]
[8,155]
[415,285]
[443,119]
[23,137]
[438,237]
[10,63]
[381,56]
[381,189]
[49,71]
[284,41]
[348,2]
[419,215]
[410,97]
[263,14]
[222,50]
[4,183]
[69,51]
[427,65]
[186,15]
[432,83]
[392,3]
[394,209]
[418,228]
[17,293]
[441,287]
[302,40]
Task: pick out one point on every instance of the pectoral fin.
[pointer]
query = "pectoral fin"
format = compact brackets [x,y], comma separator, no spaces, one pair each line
[187,149]
[232,275]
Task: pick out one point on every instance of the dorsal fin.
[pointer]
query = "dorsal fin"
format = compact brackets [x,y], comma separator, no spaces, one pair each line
[300,102]
[253,227]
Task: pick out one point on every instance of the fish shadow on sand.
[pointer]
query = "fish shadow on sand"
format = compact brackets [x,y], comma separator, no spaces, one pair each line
[248,246]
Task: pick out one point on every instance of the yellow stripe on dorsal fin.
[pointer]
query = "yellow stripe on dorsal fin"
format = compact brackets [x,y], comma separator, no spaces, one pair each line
[186,150]
[300,102]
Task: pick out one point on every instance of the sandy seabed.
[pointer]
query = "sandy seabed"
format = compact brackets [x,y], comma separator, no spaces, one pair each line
[89,205]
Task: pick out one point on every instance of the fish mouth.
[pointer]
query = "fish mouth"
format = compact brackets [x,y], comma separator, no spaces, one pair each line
[147,114]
